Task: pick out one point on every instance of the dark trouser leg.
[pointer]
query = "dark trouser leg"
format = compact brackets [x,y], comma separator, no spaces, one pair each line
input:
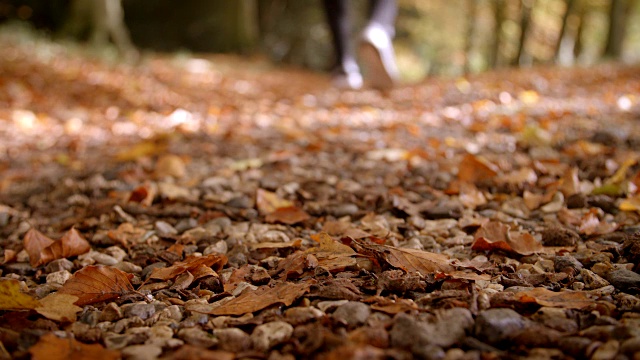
[339,19]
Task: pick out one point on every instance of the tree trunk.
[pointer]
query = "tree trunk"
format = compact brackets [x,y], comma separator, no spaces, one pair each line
[472,10]
[562,36]
[498,18]
[525,22]
[617,28]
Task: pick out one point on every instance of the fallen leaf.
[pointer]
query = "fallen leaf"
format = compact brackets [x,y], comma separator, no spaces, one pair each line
[413,261]
[34,243]
[570,184]
[9,256]
[191,352]
[170,165]
[251,301]
[391,306]
[71,244]
[59,307]
[51,347]
[287,215]
[11,298]
[144,194]
[496,236]
[268,202]
[296,264]
[476,168]
[331,254]
[126,233]
[94,284]
[563,299]
[189,264]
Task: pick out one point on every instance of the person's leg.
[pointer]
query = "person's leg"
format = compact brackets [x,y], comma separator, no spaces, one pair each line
[347,73]
[376,48]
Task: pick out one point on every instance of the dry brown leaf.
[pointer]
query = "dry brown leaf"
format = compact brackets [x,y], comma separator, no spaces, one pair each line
[296,264]
[331,254]
[94,284]
[412,261]
[268,202]
[71,244]
[170,165]
[590,224]
[189,264]
[59,307]
[252,301]
[496,236]
[9,256]
[144,194]
[34,243]
[126,233]
[570,184]
[287,215]
[563,299]
[276,245]
[11,298]
[51,347]
[190,352]
[476,168]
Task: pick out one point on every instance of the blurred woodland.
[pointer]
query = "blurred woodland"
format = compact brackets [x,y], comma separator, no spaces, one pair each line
[433,37]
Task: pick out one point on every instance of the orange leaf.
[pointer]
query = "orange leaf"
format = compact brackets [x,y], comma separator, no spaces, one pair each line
[71,244]
[411,260]
[473,168]
[252,301]
[189,264]
[34,243]
[496,236]
[287,215]
[94,284]
[563,299]
[331,254]
[268,202]
[51,347]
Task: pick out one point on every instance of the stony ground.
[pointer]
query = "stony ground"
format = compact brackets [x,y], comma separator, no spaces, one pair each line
[223,208]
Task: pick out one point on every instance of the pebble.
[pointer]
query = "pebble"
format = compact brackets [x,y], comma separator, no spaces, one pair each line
[58,265]
[197,337]
[123,324]
[341,210]
[221,247]
[58,277]
[111,312]
[141,310]
[452,325]
[330,305]
[172,312]
[270,334]
[592,280]
[128,267]
[555,318]
[567,263]
[577,347]
[559,236]
[164,229]
[352,313]
[300,315]
[116,252]
[630,346]
[141,352]
[498,325]
[117,341]
[274,236]
[606,351]
[625,280]
[95,257]
[233,339]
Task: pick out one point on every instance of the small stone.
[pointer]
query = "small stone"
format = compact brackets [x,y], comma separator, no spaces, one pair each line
[172,312]
[22,256]
[116,252]
[58,265]
[559,236]
[577,347]
[95,257]
[451,326]
[329,305]
[111,312]
[117,341]
[625,280]
[496,326]
[567,263]
[123,324]
[270,334]
[592,280]
[352,313]
[128,267]
[197,337]
[141,310]
[58,277]
[220,247]
[607,351]
[341,210]
[233,339]
[630,346]
[300,315]
[555,318]
[414,335]
[164,229]
[141,352]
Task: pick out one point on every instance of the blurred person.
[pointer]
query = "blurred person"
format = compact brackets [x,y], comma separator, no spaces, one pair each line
[375,48]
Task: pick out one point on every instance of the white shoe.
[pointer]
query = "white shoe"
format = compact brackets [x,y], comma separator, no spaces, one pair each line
[378,57]
[348,76]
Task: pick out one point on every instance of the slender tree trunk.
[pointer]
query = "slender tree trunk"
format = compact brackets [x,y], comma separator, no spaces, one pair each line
[617,28]
[472,10]
[570,4]
[525,22]
[498,18]
[577,45]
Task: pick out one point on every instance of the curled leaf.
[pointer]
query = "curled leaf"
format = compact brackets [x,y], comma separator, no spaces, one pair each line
[71,244]
[189,264]
[34,243]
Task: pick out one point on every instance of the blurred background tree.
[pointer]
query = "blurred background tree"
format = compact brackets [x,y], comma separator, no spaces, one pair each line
[448,37]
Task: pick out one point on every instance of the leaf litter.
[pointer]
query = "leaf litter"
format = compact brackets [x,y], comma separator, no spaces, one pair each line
[242,212]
